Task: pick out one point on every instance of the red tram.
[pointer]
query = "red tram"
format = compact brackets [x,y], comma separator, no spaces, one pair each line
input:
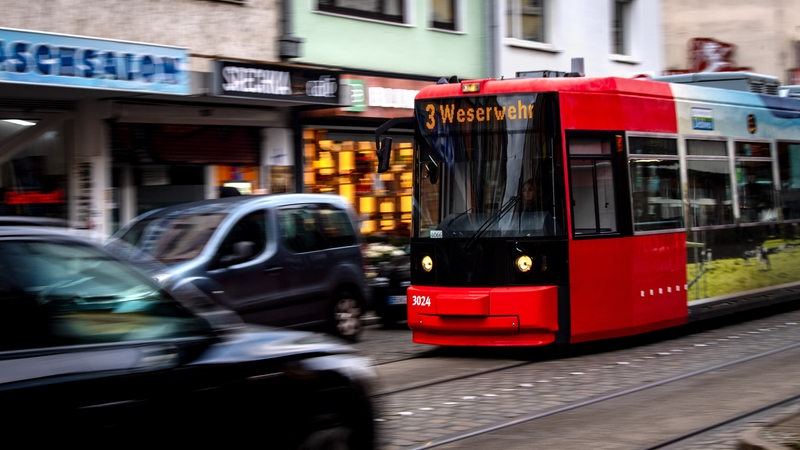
[565,210]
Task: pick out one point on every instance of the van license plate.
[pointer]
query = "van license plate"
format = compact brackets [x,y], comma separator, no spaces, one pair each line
[396,300]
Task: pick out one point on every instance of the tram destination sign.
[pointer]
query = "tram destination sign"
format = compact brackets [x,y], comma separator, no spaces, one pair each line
[275,82]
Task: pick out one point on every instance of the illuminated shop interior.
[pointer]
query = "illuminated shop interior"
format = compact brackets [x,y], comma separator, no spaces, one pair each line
[345,164]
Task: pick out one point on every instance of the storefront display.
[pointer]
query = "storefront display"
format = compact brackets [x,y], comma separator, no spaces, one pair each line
[339,152]
[33,180]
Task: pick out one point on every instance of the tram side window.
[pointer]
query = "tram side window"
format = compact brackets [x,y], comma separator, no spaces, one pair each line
[655,183]
[593,194]
[789,163]
[754,182]
[710,196]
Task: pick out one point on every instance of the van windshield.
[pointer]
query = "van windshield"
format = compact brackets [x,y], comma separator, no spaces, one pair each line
[175,238]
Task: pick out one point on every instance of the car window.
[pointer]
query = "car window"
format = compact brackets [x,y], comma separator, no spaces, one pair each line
[54,293]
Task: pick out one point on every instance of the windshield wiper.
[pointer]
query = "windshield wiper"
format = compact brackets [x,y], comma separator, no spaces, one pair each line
[492,220]
[456,217]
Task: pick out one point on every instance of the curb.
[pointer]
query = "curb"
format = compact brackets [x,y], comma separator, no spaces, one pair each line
[752,440]
[780,434]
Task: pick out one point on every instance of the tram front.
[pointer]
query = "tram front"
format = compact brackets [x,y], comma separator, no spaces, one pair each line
[488,247]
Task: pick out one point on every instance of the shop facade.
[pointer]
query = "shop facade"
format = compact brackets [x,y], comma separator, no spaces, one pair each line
[339,151]
[95,131]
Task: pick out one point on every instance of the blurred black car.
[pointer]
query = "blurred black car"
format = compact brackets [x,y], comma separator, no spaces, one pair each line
[392,279]
[93,352]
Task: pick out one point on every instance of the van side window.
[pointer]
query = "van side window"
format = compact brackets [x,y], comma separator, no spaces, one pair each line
[247,238]
[299,230]
[337,228]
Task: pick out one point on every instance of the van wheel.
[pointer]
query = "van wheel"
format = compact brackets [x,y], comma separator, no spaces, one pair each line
[347,317]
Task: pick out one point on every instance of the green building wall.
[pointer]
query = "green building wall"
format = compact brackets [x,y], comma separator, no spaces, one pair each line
[412,49]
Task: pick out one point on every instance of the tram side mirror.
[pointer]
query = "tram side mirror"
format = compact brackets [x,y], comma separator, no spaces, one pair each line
[433,171]
[384,154]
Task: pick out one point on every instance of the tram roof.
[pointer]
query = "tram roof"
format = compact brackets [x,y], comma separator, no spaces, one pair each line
[654,88]
[492,86]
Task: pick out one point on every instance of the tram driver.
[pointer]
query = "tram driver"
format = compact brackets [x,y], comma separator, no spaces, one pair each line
[532,218]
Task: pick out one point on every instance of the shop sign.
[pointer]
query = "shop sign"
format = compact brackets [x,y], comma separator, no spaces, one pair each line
[237,79]
[374,97]
[33,197]
[62,60]
[362,96]
[358,95]
[392,98]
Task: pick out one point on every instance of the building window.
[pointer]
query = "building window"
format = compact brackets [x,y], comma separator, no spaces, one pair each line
[443,14]
[525,20]
[386,10]
[620,26]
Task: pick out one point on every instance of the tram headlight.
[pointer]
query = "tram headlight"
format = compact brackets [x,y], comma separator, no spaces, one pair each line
[427,263]
[524,263]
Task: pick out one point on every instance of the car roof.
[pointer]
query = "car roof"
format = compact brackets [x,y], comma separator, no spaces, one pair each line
[43,232]
[226,204]
[32,221]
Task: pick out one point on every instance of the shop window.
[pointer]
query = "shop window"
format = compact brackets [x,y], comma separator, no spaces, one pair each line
[33,180]
[344,163]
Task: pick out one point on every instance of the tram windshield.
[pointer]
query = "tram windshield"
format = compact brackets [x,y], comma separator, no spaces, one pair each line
[487,166]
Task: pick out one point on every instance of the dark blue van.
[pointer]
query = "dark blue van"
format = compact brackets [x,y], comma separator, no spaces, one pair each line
[290,260]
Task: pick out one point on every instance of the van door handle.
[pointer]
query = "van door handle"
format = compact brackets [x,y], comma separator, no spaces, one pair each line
[273,269]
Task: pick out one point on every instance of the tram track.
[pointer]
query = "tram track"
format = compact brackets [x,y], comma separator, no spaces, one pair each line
[440,365]
[530,421]
[732,426]
[473,403]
